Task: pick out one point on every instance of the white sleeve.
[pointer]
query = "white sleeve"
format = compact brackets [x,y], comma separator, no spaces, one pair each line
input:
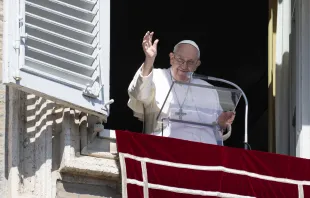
[141,91]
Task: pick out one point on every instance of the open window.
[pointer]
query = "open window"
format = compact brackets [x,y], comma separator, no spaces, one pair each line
[59,50]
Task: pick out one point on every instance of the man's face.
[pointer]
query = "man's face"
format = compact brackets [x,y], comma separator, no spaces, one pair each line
[184,60]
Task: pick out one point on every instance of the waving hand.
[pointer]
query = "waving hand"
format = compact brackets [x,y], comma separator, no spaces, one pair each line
[149,47]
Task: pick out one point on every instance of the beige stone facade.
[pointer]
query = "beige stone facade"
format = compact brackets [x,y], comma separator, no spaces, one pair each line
[2,113]
[41,145]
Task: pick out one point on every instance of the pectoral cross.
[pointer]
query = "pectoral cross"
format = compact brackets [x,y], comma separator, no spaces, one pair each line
[180,113]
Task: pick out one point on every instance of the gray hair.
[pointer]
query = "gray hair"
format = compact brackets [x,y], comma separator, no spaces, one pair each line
[187,42]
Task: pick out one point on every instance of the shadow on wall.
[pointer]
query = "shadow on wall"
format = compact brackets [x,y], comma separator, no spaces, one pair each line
[42,137]
[285,100]
[35,133]
[38,125]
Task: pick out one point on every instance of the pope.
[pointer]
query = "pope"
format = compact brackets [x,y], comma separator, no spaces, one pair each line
[149,87]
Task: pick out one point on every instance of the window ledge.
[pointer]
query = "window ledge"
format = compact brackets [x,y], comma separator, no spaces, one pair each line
[92,166]
[101,148]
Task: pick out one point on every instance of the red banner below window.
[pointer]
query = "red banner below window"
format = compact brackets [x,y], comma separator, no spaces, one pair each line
[158,167]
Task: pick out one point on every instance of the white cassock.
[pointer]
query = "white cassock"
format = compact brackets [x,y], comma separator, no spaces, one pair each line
[146,98]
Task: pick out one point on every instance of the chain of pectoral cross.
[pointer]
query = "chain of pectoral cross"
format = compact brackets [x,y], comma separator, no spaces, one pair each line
[180,113]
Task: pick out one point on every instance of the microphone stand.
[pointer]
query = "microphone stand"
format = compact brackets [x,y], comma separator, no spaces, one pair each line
[245,100]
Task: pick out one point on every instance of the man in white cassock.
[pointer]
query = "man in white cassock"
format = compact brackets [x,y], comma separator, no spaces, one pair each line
[150,86]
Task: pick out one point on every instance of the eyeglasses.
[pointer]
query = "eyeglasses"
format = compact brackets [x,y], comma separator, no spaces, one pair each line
[189,63]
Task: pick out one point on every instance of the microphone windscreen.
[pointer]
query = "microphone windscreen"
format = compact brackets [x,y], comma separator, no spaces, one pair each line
[190,75]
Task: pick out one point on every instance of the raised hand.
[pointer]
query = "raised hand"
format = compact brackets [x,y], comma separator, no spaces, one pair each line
[149,48]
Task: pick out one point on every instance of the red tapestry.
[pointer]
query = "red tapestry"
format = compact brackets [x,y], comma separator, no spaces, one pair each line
[159,167]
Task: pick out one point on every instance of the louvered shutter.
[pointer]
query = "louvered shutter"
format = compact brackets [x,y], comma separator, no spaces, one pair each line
[59,49]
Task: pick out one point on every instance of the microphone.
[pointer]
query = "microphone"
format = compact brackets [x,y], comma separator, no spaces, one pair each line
[190,75]
[199,76]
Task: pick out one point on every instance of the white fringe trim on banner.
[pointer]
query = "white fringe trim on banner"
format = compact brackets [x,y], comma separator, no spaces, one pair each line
[147,185]
[187,191]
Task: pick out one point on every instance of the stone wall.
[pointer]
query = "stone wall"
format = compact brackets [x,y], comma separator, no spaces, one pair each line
[43,152]
[40,144]
[2,113]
